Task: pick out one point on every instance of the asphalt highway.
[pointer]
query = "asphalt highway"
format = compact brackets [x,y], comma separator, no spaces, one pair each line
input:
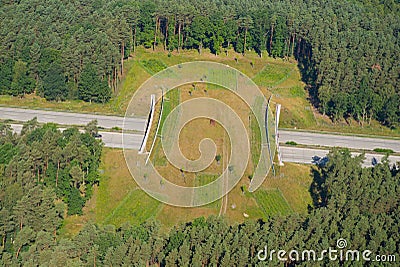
[133,141]
[331,140]
[67,118]
[110,139]
[313,156]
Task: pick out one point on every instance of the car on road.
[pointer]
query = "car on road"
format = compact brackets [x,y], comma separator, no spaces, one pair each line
[97,135]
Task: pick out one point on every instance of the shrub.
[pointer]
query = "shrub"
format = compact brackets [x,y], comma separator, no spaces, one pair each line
[292,143]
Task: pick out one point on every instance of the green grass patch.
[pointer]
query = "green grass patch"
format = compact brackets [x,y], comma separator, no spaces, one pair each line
[153,66]
[255,142]
[116,183]
[204,179]
[135,208]
[297,91]
[272,202]
[296,110]
[159,159]
[225,78]
[171,100]
[212,86]
[293,180]
[272,75]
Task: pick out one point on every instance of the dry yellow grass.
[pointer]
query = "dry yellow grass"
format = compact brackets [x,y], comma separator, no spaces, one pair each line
[198,129]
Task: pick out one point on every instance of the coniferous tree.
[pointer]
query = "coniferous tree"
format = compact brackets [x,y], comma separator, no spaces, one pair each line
[21,82]
[54,86]
[6,75]
[91,87]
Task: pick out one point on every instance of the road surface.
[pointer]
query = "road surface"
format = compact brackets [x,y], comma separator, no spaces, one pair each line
[67,118]
[289,153]
[311,156]
[331,140]
[110,139]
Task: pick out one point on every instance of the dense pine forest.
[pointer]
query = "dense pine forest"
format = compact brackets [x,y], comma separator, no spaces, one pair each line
[347,51]
[44,175]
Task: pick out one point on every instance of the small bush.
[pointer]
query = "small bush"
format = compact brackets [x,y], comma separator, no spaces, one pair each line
[383,150]
[292,143]
[297,91]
